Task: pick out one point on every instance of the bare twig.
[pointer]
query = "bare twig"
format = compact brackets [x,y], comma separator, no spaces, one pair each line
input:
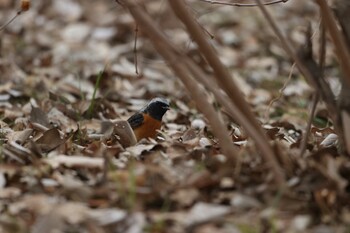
[342,12]
[242,4]
[342,9]
[303,145]
[25,5]
[225,81]
[308,67]
[338,39]
[236,114]
[285,44]
[10,21]
[222,75]
[280,91]
[316,96]
[135,49]
[173,57]
[306,56]
[322,58]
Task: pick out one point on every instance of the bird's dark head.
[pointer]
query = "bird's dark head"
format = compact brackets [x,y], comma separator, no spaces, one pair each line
[156,108]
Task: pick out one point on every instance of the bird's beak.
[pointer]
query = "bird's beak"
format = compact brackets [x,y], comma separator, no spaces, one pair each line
[166,107]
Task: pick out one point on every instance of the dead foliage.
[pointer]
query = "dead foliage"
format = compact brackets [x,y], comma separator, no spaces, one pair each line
[238,151]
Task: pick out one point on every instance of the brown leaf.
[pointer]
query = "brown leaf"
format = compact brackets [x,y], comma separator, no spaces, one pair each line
[122,129]
[39,116]
[49,140]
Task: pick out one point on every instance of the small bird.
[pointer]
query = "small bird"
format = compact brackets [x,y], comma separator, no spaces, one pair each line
[148,120]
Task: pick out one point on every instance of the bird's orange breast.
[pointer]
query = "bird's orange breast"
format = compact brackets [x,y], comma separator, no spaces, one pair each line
[148,129]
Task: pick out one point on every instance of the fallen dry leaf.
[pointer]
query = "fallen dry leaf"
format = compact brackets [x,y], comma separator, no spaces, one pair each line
[75,161]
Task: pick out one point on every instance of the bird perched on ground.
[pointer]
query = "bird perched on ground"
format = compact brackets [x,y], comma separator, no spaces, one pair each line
[148,120]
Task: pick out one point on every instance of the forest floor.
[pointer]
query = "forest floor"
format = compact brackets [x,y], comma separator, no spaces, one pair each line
[67,69]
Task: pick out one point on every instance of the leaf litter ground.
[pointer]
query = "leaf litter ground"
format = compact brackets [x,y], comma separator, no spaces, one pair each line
[66,167]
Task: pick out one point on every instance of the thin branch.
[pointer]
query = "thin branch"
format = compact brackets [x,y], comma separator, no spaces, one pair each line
[225,80]
[206,31]
[285,44]
[280,91]
[307,66]
[25,5]
[235,113]
[316,97]
[135,49]
[338,39]
[322,59]
[243,4]
[303,145]
[222,74]
[10,21]
[173,57]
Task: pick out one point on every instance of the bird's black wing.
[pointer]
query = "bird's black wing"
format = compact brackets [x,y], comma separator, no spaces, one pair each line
[136,120]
